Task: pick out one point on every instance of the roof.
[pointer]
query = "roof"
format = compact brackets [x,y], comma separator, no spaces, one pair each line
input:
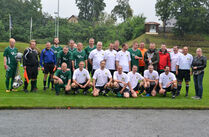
[73,16]
[152,23]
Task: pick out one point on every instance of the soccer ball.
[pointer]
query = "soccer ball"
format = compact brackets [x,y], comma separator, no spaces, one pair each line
[18,57]
[16,85]
[17,82]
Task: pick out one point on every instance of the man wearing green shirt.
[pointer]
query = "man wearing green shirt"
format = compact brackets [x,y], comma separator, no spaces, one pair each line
[10,63]
[135,55]
[64,56]
[56,48]
[62,79]
[78,56]
[88,50]
[71,44]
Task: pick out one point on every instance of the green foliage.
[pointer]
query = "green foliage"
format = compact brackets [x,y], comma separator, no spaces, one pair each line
[163,10]
[90,10]
[191,15]
[122,10]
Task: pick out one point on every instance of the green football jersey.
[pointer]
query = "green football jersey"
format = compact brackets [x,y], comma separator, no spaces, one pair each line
[133,54]
[78,57]
[72,50]
[56,50]
[88,50]
[10,54]
[65,76]
[67,58]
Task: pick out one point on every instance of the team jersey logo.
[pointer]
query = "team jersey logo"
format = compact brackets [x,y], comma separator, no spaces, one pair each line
[84,75]
[62,77]
[170,78]
[123,79]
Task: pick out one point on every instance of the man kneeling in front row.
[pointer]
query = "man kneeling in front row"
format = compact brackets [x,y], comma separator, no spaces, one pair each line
[167,82]
[122,85]
[134,78]
[62,79]
[102,80]
[81,79]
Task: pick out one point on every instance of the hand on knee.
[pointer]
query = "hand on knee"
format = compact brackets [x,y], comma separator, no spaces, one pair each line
[126,95]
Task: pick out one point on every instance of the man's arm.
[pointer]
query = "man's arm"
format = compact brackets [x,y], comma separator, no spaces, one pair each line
[129,66]
[86,62]
[69,82]
[5,63]
[94,82]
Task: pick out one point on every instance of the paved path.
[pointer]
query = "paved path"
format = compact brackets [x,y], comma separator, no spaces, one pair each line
[104,123]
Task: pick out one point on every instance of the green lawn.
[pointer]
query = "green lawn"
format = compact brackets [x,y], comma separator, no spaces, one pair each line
[48,99]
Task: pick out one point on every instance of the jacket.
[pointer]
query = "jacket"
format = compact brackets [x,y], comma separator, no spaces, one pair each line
[164,60]
[30,57]
[47,56]
[200,63]
[153,54]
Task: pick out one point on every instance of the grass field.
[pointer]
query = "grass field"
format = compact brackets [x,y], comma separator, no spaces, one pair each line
[48,99]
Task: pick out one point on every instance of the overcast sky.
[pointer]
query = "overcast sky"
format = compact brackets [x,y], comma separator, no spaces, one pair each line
[68,7]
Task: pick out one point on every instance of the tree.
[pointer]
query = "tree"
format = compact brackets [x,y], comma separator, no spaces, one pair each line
[164,11]
[90,10]
[122,10]
[191,15]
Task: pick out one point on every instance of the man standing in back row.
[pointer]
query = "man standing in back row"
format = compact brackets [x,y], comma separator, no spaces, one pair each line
[135,55]
[88,49]
[123,59]
[141,61]
[183,70]
[96,56]
[56,49]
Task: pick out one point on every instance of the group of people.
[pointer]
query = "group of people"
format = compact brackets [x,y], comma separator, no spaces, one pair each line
[127,72]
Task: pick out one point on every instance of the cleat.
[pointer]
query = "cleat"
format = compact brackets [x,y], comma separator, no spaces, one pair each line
[177,93]
[44,88]
[76,92]
[25,90]
[173,97]
[148,95]
[85,92]
[57,93]
[7,91]
[106,95]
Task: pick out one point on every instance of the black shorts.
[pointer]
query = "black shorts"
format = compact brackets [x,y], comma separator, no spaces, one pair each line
[48,68]
[77,88]
[112,72]
[125,90]
[141,70]
[137,87]
[32,72]
[183,75]
[168,89]
[92,72]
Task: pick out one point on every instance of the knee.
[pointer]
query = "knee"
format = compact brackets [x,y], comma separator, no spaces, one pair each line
[126,95]
[134,95]
[162,91]
[90,84]
[116,85]
[153,93]
[96,92]
[73,85]
[55,82]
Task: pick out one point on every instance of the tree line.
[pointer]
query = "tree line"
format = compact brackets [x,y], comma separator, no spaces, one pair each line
[93,22]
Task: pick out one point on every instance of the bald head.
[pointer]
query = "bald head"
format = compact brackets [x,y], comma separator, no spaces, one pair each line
[64,66]
[12,42]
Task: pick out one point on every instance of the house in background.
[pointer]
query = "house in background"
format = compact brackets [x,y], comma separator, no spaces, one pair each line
[170,25]
[73,19]
[152,28]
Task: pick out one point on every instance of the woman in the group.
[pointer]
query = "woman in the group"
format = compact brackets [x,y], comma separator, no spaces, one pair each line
[198,66]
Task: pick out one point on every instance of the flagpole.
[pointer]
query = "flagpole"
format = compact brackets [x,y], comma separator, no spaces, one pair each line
[58,10]
[31,27]
[10,26]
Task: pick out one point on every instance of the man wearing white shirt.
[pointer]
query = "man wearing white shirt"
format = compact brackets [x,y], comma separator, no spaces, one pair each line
[109,57]
[151,77]
[134,78]
[183,67]
[101,80]
[167,82]
[81,79]
[122,85]
[96,56]
[174,58]
[123,59]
